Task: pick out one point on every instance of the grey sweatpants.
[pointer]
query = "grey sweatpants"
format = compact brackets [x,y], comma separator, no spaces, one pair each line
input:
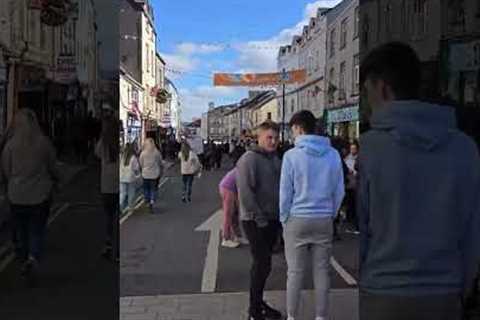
[307,238]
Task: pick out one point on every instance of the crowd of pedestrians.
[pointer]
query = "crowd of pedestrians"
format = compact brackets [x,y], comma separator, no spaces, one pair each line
[403,188]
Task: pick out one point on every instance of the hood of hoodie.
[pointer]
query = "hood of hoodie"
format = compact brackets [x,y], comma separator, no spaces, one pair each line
[416,124]
[313,145]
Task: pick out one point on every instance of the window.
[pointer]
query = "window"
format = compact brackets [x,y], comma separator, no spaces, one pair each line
[43,36]
[148,58]
[332,43]
[331,86]
[293,106]
[420,17]
[388,20]
[32,26]
[269,116]
[356,74]
[365,30]
[356,23]
[343,33]
[341,83]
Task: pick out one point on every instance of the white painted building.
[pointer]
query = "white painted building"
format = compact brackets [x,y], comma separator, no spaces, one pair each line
[174,106]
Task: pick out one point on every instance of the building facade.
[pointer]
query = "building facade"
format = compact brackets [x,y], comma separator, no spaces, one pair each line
[342,71]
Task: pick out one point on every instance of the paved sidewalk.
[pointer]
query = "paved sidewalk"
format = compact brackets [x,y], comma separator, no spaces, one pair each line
[229,306]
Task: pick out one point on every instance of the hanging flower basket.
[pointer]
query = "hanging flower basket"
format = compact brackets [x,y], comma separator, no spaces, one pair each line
[54,12]
[162,96]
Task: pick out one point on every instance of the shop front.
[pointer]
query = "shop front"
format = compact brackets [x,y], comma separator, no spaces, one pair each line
[133,126]
[344,122]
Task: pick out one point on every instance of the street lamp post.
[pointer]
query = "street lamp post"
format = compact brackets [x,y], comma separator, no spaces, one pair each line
[284,79]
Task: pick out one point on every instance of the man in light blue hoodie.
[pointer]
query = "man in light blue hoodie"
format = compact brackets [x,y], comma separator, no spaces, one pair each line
[311,192]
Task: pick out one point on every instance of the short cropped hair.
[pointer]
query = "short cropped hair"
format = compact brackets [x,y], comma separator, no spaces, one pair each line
[269,125]
[305,120]
[398,65]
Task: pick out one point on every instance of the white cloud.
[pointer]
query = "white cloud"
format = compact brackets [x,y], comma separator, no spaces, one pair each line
[188,48]
[261,56]
[195,101]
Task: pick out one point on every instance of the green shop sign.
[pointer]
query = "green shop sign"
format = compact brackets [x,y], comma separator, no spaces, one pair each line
[343,115]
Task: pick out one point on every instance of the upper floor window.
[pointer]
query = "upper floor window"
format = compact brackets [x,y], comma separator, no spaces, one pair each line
[332,43]
[356,23]
[356,74]
[343,33]
[341,84]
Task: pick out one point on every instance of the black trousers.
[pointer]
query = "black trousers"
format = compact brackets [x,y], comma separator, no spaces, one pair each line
[111,208]
[261,242]
[351,203]
[386,307]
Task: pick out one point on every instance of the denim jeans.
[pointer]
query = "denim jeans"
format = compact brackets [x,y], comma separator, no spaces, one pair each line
[150,190]
[187,185]
[127,194]
[30,224]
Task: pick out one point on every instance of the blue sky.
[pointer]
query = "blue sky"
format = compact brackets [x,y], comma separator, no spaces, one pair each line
[203,37]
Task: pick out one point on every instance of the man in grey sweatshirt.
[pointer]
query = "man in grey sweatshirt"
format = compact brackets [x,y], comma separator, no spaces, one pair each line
[258,183]
[418,198]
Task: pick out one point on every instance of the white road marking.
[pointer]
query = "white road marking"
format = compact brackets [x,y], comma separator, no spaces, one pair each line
[140,202]
[210,269]
[342,272]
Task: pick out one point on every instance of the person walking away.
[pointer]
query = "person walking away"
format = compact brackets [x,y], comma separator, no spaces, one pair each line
[129,175]
[311,193]
[189,166]
[350,161]
[419,197]
[107,150]
[218,155]
[29,169]
[258,181]
[151,165]
[232,236]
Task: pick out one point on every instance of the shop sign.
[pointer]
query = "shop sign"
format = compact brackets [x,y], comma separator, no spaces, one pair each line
[66,70]
[465,56]
[343,115]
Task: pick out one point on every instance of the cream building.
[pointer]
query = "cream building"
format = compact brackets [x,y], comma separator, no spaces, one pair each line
[148,63]
[307,51]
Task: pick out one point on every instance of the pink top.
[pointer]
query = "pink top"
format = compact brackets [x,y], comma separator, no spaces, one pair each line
[229,181]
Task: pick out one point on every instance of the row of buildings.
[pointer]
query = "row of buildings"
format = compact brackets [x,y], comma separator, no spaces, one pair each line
[49,61]
[328,49]
[445,34]
[240,120]
[149,101]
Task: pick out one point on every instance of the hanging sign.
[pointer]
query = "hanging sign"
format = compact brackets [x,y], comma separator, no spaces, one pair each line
[259,79]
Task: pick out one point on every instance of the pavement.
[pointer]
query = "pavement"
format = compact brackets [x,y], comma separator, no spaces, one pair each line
[229,306]
[173,258]
[76,283]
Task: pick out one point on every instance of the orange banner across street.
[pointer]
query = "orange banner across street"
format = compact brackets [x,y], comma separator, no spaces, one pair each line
[259,79]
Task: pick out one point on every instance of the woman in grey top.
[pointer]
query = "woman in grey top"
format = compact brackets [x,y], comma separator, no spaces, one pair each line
[151,164]
[28,166]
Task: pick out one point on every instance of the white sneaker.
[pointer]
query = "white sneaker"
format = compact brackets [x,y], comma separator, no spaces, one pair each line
[230,244]
[290,318]
[243,241]
[320,318]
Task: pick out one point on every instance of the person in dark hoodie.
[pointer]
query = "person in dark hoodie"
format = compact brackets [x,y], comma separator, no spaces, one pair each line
[258,183]
[418,197]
